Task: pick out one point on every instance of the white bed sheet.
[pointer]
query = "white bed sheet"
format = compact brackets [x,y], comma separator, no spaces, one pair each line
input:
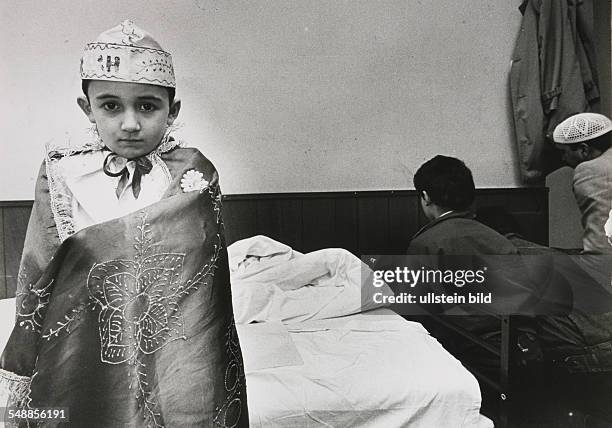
[328,364]
[362,370]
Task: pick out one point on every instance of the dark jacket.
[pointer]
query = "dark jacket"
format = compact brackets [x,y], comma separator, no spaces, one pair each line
[458,243]
[458,233]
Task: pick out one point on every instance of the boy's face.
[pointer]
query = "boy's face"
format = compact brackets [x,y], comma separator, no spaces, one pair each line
[131,117]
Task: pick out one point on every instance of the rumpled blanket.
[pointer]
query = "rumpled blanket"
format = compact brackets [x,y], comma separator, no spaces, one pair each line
[272,282]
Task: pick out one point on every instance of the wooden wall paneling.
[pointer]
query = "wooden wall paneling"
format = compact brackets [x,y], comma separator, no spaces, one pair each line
[524,199]
[543,219]
[268,218]
[532,227]
[281,219]
[291,222]
[3,292]
[529,207]
[403,222]
[347,224]
[15,224]
[363,222]
[318,223]
[373,214]
[239,218]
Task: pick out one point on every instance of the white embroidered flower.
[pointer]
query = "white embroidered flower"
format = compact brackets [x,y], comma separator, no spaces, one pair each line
[193,180]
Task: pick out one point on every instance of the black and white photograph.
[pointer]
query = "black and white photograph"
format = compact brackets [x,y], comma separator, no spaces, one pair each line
[306,213]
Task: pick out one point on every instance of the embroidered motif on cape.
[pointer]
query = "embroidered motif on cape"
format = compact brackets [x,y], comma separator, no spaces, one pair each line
[31,303]
[139,309]
[193,180]
[229,413]
[138,300]
[214,190]
[60,198]
[15,393]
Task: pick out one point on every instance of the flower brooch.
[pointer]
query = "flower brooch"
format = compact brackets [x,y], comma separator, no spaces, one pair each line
[193,180]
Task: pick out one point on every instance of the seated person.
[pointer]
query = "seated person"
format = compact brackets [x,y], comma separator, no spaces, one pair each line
[446,190]
[584,140]
[124,314]
[587,323]
[577,346]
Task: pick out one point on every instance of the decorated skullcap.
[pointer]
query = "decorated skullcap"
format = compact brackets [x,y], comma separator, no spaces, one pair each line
[126,53]
[581,127]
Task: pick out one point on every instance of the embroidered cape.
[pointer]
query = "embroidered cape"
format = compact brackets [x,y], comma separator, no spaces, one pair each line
[129,322]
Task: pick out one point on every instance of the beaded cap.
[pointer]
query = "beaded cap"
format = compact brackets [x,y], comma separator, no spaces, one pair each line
[126,53]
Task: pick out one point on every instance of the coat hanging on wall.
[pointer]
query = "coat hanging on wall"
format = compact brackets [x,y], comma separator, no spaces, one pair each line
[553,76]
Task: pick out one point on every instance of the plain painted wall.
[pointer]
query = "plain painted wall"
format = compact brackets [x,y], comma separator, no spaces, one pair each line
[284,95]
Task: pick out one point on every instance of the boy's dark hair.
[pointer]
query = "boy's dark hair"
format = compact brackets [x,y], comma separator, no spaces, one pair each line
[447,181]
[601,143]
[85,86]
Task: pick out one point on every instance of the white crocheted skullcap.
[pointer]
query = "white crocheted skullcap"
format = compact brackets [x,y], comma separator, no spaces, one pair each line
[581,127]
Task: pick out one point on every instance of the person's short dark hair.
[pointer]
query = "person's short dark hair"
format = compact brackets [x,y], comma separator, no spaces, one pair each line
[85,86]
[447,181]
[601,143]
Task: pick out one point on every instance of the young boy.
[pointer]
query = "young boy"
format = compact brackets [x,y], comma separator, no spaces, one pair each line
[446,190]
[454,240]
[124,312]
